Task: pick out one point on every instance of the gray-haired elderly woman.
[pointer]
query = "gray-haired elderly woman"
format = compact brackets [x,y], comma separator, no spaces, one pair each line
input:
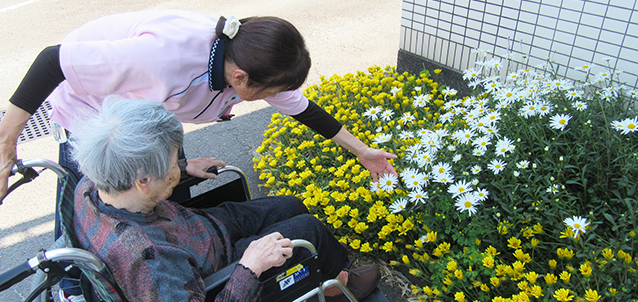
[159,250]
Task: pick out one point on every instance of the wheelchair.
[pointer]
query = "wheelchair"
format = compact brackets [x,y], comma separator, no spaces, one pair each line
[299,283]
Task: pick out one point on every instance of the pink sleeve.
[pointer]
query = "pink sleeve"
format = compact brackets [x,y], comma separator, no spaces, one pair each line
[289,102]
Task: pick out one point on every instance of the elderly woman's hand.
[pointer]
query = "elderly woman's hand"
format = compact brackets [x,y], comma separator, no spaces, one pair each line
[269,251]
[197,167]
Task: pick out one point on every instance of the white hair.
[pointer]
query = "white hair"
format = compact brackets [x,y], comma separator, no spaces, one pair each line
[126,140]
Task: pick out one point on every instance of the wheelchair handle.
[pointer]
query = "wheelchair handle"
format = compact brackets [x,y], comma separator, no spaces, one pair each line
[23,164]
[29,267]
[15,275]
[25,168]
[305,244]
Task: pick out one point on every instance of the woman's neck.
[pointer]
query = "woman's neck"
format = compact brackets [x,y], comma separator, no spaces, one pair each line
[129,200]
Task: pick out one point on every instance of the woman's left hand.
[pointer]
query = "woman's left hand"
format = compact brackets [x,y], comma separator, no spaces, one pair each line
[376,161]
[197,167]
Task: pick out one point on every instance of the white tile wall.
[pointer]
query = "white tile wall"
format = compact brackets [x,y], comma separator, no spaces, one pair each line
[571,32]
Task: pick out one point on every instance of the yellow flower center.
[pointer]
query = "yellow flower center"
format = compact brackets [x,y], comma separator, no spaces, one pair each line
[468,204]
[562,122]
[577,225]
[631,126]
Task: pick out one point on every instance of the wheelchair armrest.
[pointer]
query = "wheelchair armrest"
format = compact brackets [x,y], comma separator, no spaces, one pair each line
[220,277]
[192,180]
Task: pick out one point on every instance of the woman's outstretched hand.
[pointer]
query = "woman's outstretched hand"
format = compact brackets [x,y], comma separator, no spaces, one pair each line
[376,161]
[197,167]
[269,251]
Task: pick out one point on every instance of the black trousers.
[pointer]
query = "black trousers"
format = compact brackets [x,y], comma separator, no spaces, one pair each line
[251,220]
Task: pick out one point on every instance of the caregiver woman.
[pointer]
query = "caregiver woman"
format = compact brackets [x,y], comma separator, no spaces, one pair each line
[198,66]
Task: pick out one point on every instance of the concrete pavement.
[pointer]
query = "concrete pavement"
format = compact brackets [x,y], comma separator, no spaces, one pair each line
[342,37]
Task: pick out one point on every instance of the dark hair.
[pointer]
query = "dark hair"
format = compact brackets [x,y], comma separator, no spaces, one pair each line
[270,50]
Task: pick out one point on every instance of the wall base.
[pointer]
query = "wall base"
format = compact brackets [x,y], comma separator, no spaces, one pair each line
[414,64]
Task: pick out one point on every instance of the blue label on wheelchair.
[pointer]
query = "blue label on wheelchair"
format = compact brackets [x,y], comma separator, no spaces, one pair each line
[294,275]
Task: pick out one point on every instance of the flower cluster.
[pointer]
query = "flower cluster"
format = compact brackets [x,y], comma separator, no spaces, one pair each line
[523,191]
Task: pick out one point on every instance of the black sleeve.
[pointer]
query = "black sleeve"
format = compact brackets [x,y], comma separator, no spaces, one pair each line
[44,75]
[319,120]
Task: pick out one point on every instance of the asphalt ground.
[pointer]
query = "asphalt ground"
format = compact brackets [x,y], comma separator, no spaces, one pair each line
[342,37]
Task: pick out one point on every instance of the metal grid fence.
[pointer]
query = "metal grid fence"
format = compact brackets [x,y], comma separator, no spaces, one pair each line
[602,34]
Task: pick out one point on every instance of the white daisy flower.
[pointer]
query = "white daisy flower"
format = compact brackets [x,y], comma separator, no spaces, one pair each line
[424,159]
[408,172]
[395,90]
[373,112]
[554,189]
[388,182]
[406,135]
[481,194]
[459,187]
[464,136]
[496,165]
[582,67]
[416,181]
[579,105]
[503,146]
[626,126]
[523,164]
[443,178]
[481,142]
[578,224]
[449,92]
[559,121]
[478,151]
[418,196]
[375,186]
[417,88]
[387,114]
[399,205]
[544,108]
[476,169]
[574,94]
[442,168]
[529,109]
[406,118]
[421,100]
[468,203]
[457,157]
[470,74]
[383,138]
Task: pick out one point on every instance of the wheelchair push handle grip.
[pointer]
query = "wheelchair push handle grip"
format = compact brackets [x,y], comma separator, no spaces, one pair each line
[15,275]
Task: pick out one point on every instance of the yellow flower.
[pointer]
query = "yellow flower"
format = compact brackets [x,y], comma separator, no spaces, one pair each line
[565,276]
[447,281]
[458,274]
[550,279]
[495,281]
[437,71]
[563,295]
[388,246]
[491,251]
[536,291]
[586,270]
[613,291]
[459,296]
[360,227]
[523,285]
[531,277]
[552,263]
[488,261]
[451,266]
[405,259]
[337,224]
[484,287]
[514,243]
[534,242]
[366,248]
[355,244]
[522,256]
[519,266]
[592,295]
[608,254]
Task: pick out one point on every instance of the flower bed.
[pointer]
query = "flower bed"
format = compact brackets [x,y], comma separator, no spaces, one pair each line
[524,192]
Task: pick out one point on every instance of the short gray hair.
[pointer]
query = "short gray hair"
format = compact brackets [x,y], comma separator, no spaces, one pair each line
[126,140]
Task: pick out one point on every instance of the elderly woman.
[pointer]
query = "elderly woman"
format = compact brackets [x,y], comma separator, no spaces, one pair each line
[159,250]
